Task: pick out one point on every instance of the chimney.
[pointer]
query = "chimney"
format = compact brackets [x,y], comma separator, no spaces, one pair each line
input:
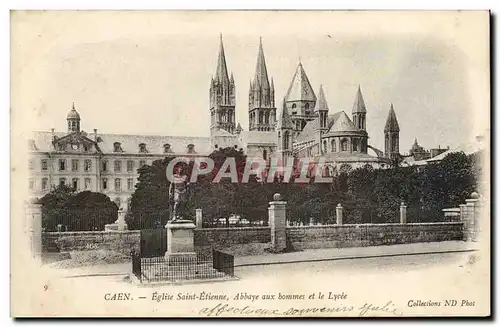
[95,134]
[53,136]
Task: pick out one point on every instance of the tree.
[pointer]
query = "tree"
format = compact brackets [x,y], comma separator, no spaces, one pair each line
[82,211]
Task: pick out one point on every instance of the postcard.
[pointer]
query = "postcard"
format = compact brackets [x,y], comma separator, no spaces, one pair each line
[271,164]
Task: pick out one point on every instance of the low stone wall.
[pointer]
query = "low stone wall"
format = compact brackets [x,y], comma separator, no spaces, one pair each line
[303,237]
[122,242]
[335,236]
[125,241]
[221,237]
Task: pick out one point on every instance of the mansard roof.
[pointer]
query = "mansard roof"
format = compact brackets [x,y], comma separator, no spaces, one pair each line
[300,89]
[130,143]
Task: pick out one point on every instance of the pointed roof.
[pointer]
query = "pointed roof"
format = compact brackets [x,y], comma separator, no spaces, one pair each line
[300,89]
[359,103]
[321,105]
[284,121]
[391,125]
[239,128]
[221,73]
[261,77]
[343,124]
[272,83]
[73,114]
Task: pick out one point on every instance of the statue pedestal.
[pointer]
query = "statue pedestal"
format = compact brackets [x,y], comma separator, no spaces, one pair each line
[180,243]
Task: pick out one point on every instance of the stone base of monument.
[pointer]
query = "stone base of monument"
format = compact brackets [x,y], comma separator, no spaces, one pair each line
[180,243]
[159,270]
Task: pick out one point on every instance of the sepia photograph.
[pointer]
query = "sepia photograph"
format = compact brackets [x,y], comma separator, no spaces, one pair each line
[250,164]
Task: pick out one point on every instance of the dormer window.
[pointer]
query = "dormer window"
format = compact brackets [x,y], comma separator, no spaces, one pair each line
[142,148]
[117,147]
[166,148]
[190,148]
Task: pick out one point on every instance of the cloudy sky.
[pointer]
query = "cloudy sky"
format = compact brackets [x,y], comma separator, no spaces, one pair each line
[149,72]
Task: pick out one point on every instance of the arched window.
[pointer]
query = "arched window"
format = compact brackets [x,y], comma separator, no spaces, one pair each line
[325,148]
[334,146]
[264,154]
[294,109]
[307,108]
[343,145]
[261,117]
[355,145]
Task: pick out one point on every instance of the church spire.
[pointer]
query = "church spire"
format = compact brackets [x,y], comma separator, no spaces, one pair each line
[391,124]
[359,103]
[262,113]
[261,69]
[221,74]
[321,104]
[222,96]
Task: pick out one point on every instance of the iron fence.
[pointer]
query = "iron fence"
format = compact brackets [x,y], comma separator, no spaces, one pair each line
[223,262]
[88,219]
[136,264]
[215,265]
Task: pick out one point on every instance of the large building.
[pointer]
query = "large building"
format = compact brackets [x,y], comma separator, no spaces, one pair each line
[304,126]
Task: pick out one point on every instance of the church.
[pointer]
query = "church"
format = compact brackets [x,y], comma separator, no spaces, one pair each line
[303,126]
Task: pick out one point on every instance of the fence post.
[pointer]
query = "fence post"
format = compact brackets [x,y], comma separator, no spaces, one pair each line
[469,215]
[277,221]
[199,218]
[121,220]
[402,213]
[34,219]
[338,211]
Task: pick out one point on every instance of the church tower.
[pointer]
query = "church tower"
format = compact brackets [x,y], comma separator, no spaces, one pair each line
[391,131]
[285,132]
[321,111]
[222,97]
[73,119]
[359,111]
[300,100]
[261,108]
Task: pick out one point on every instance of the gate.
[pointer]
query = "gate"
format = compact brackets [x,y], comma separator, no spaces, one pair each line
[153,242]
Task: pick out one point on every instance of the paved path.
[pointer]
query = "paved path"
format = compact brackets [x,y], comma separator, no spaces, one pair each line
[310,255]
[353,253]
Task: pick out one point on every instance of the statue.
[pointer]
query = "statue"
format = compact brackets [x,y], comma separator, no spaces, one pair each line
[177,194]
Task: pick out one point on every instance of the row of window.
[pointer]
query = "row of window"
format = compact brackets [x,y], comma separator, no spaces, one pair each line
[75,183]
[87,165]
[344,145]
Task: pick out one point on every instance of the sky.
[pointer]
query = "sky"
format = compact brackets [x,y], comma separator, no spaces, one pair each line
[149,72]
